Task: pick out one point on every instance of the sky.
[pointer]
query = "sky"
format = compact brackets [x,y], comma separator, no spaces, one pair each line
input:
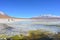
[30,8]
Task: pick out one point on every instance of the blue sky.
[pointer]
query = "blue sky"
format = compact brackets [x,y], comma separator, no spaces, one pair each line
[30,8]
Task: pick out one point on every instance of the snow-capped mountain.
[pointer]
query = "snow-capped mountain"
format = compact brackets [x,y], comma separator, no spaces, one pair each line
[47,16]
[3,15]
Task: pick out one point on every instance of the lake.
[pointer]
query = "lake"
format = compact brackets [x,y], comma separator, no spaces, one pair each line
[22,27]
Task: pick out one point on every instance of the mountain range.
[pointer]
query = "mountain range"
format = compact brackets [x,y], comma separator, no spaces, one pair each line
[42,17]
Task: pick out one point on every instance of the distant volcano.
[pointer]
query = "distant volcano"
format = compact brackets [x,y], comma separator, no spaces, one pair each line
[47,17]
[3,15]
